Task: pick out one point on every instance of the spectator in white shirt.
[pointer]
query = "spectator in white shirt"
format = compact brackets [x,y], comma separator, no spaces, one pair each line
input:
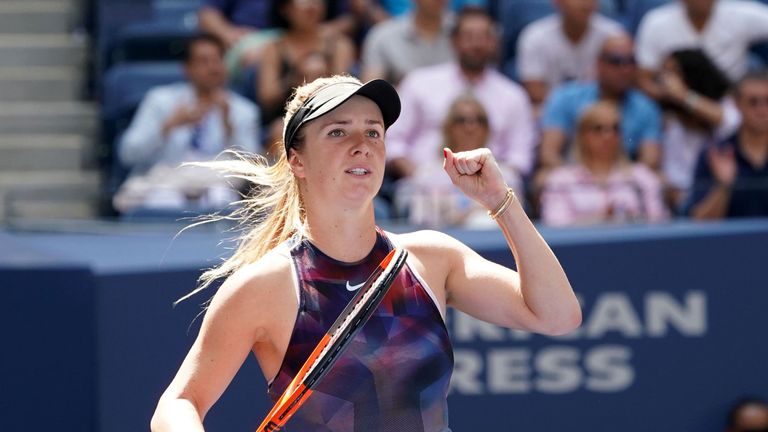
[562,47]
[724,30]
[419,38]
[192,121]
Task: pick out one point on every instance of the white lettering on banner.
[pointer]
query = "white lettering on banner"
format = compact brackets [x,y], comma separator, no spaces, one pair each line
[662,310]
[609,369]
[554,370]
[559,369]
[613,312]
[508,371]
[467,368]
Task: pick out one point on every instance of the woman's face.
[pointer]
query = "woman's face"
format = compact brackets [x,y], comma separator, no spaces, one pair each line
[601,136]
[467,128]
[304,14]
[343,154]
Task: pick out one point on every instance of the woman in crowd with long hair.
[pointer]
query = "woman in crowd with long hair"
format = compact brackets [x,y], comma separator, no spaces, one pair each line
[602,185]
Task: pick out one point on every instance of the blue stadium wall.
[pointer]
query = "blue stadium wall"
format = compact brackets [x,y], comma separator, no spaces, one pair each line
[673,333]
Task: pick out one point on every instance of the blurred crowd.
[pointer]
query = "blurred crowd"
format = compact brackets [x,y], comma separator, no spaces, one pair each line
[594,116]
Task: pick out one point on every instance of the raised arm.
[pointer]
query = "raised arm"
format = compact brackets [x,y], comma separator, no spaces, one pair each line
[238,320]
[538,297]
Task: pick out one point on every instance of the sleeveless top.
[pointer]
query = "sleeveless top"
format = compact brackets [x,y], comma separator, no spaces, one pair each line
[395,374]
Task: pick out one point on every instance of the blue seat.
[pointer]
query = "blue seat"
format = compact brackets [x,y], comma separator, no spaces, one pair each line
[151,41]
[514,15]
[125,85]
[176,10]
[759,55]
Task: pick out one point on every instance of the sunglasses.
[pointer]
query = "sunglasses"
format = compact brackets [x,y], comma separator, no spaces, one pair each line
[467,120]
[614,128]
[756,101]
[618,59]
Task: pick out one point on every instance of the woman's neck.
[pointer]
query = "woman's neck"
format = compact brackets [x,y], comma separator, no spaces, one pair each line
[344,234]
[308,36]
[600,168]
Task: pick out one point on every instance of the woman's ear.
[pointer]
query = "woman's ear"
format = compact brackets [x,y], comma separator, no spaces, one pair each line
[296,163]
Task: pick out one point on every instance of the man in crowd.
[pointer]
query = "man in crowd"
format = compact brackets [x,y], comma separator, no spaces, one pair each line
[562,47]
[427,93]
[731,180]
[186,122]
[616,72]
[416,39]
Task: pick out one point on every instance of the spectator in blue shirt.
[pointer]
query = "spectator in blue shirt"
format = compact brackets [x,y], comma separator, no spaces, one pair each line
[731,179]
[616,71]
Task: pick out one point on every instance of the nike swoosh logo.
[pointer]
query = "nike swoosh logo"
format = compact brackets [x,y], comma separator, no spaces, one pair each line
[354,287]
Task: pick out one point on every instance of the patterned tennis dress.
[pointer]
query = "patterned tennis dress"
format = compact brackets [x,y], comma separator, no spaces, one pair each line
[396,372]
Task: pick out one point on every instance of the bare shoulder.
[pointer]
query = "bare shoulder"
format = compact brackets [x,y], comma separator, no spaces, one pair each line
[433,255]
[428,242]
[257,289]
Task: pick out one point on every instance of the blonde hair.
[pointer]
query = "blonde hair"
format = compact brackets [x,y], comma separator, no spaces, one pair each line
[272,212]
[588,117]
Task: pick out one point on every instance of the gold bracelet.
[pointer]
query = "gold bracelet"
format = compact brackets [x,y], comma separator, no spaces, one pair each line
[508,198]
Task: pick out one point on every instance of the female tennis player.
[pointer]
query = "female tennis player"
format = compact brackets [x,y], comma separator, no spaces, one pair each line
[310,244]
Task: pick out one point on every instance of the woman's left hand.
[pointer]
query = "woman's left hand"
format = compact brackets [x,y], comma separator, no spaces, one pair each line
[477,174]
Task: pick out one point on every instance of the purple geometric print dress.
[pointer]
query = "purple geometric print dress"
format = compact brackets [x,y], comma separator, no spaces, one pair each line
[395,374]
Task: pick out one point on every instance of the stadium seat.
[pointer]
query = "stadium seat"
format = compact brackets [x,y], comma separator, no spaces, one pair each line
[151,41]
[759,55]
[515,15]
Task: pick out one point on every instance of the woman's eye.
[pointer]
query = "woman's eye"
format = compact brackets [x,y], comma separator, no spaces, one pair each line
[373,134]
[336,133]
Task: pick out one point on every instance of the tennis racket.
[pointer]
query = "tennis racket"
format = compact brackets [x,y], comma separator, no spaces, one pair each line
[335,341]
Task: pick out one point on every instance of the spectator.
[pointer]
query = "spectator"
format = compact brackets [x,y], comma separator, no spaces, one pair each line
[429,197]
[562,47]
[246,26]
[301,54]
[360,18]
[243,26]
[698,112]
[724,30]
[185,122]
[416,39]
[731,180]
[748,415]
[427,93]
[601,185]
[641,118]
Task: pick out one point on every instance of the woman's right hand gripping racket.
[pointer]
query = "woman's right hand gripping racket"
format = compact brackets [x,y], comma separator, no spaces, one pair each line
[335,341]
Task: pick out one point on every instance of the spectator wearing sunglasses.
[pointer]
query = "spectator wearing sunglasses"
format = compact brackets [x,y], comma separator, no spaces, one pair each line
[731,179]
[601,185]
[748,415]
[640,116]
[428,197]
[562,47]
